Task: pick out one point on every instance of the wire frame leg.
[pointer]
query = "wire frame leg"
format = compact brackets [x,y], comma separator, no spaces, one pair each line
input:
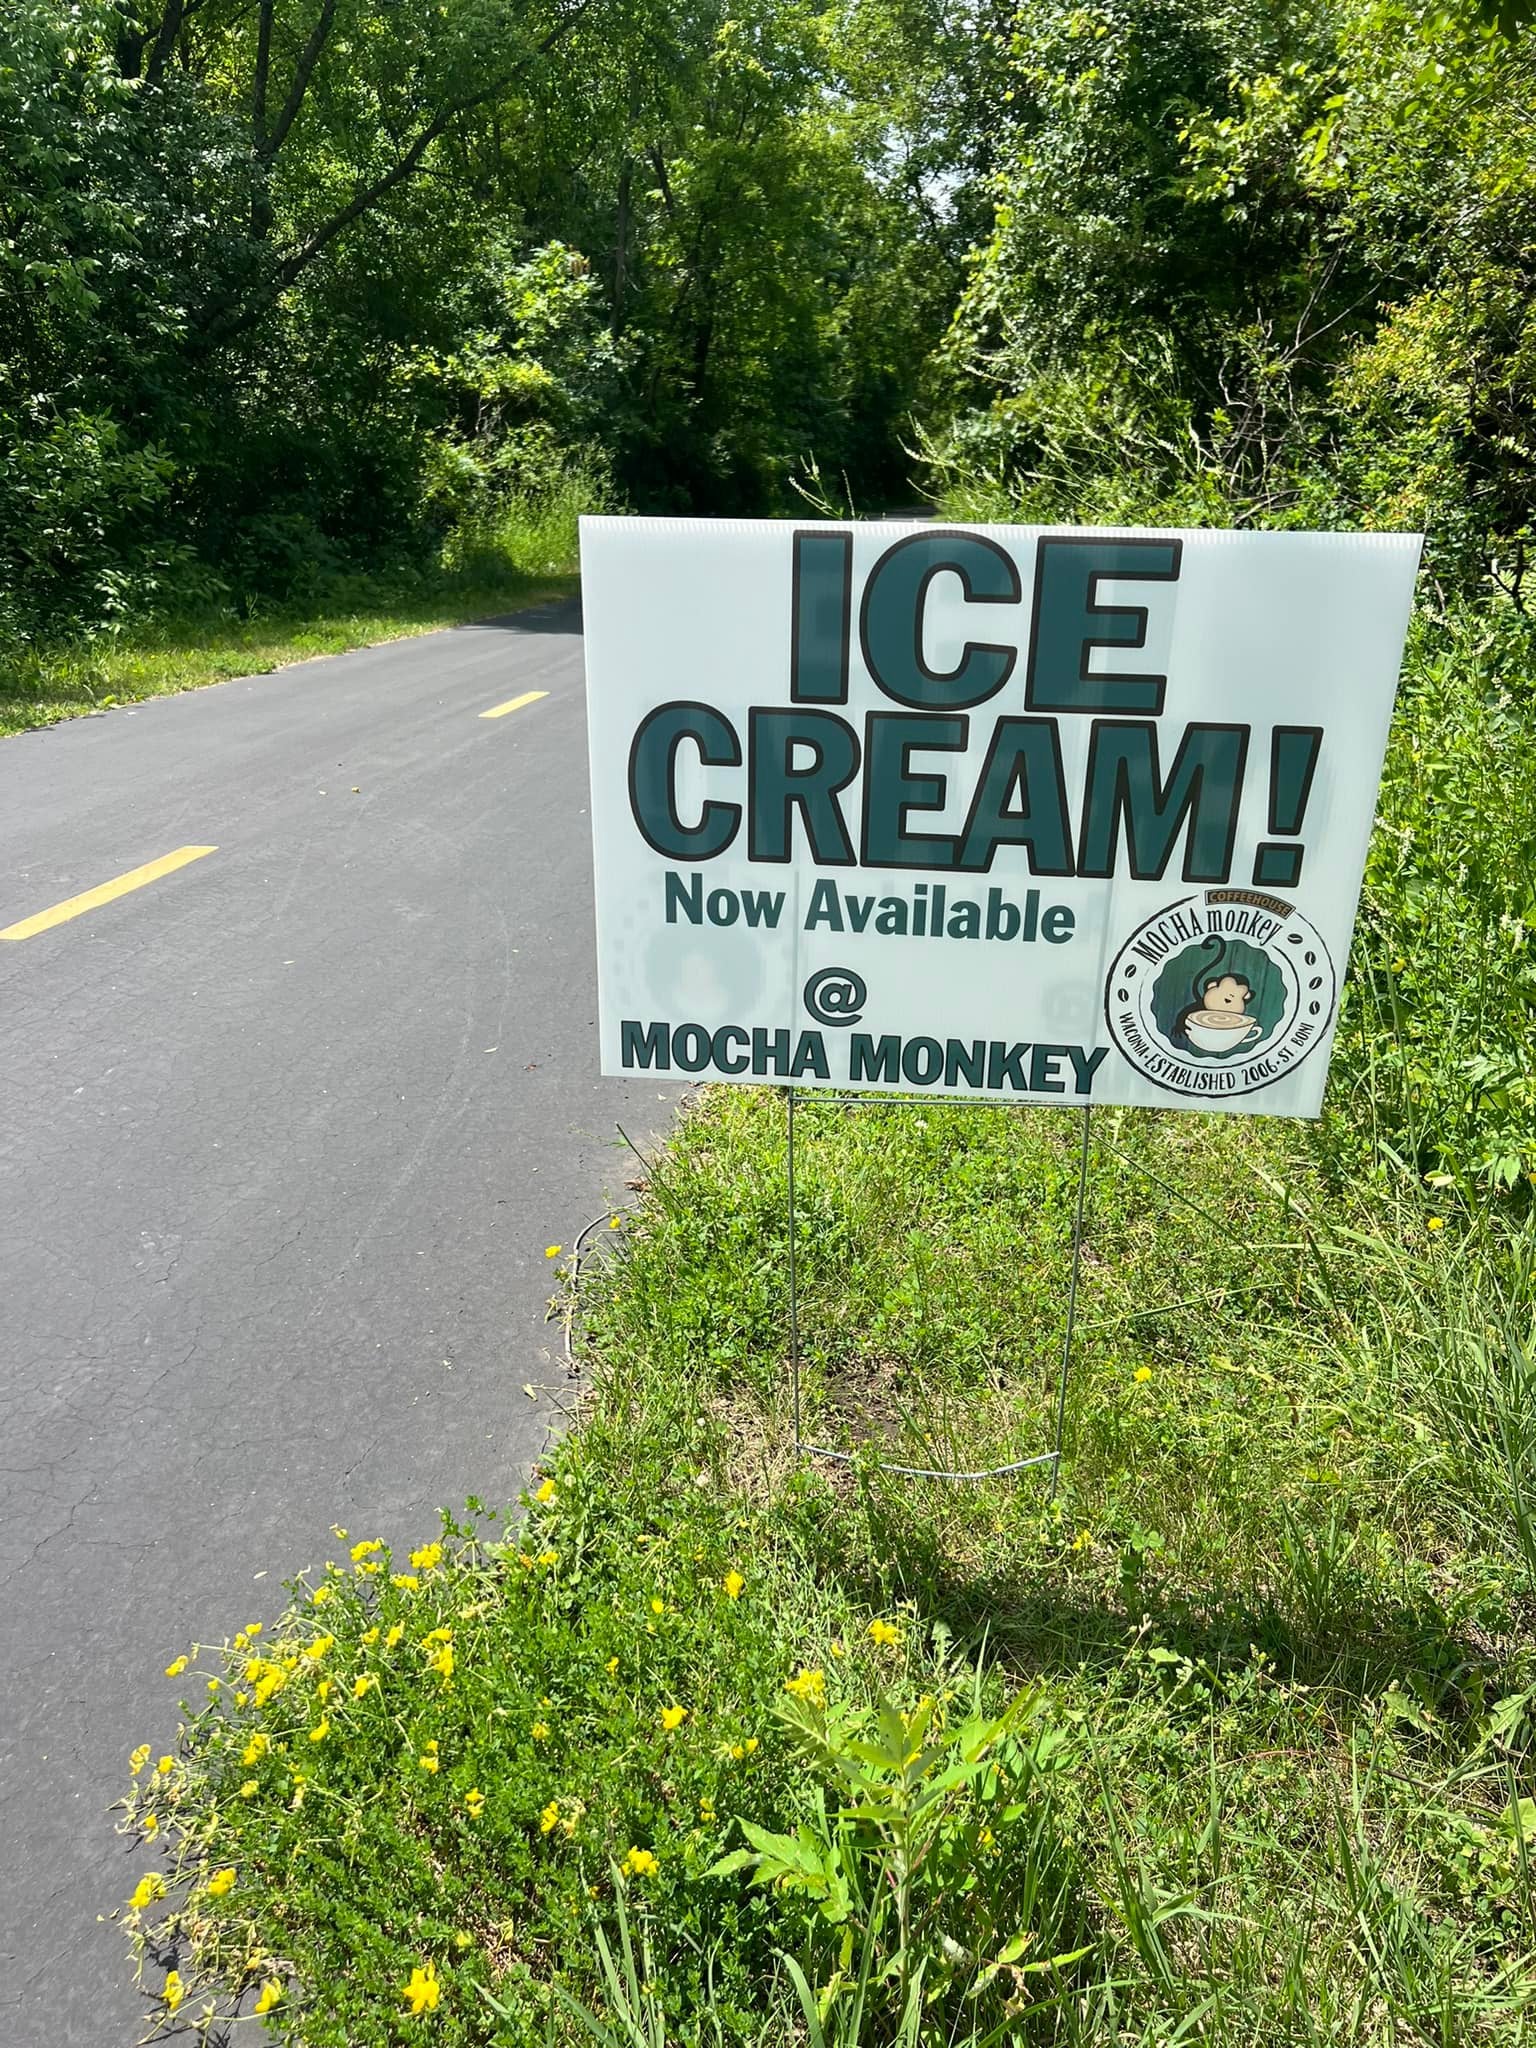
[1077,1268]
[794,1290]
[1051,1457]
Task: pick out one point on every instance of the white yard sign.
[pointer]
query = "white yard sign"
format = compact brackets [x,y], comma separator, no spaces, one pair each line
[1051,816]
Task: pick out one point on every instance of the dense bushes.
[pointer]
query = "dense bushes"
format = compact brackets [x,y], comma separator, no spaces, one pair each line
[1263,264]
[288,292]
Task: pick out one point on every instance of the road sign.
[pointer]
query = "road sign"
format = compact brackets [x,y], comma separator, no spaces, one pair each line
[1060,816]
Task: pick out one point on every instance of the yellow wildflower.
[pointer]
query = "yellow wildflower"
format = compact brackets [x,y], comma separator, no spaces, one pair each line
[837,1647]
[369,1549]
[338,1532]
[222,1881]
[808,1685]
[1437,1223]
[733,1583]
[270,1994]
[321,1729]
[213,1684]
[423,1991]
[394,1636]
[474,1802]
[150,1825]
[146,1891]
[173,1993]
[369,1636]
[610,1667]
[406,1581]
[257,1747]
[550,1557]
[706,1811]
[166,1765]
[249,1789]
[751,1744]
[428,1758]
[553,1251]
[272,1682]
[441,1661]
[546,1493]
[1142,1374]
[549,1817]
[540,1731]
[640,1863]
[884,1635]
[242,1699]
[323,1691]
[428,1558]
[658,1606]
[139,1758]
[320,1647]
[176,1667]
[437,1635]
[361,1687]
[253,1629]
[672,1718]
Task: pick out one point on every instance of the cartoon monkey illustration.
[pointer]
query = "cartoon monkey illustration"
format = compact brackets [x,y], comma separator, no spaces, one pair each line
[1210,989]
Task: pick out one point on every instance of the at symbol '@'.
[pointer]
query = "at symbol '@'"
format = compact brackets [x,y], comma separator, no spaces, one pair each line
[835,995]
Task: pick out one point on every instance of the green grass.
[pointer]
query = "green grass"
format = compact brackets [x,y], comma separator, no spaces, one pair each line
[158,657]
[1275,1632]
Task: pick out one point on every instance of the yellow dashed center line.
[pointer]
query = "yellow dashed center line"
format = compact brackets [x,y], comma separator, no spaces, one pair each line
[76,906]
[514,704]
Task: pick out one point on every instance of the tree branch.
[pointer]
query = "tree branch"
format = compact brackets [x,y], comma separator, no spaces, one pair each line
[303,71]
[133,42]
[259,82]
[369,197]
[215,332]
[165,40]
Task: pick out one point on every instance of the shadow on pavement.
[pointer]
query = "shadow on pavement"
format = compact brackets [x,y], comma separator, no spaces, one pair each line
[563,616]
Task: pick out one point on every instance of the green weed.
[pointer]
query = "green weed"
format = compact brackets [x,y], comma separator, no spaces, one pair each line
[1246,1713]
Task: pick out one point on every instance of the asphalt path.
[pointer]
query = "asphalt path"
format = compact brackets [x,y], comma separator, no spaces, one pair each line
[284,1134]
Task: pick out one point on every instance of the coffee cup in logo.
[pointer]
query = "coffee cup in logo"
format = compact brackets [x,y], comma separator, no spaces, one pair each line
[1219,1032]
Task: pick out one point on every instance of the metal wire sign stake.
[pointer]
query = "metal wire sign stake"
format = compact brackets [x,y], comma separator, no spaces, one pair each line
[993,814]
[1052,1457]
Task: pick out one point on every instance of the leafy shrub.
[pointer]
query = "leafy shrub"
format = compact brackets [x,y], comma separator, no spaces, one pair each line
[1439,1017]
[530,532]
[76,497]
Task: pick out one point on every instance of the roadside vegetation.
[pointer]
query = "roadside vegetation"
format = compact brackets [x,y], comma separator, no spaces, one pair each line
[524,557]
[1230,1741]
[318,322]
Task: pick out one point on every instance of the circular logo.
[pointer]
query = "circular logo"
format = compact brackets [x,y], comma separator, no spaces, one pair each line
[836,996]
[1221,993]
